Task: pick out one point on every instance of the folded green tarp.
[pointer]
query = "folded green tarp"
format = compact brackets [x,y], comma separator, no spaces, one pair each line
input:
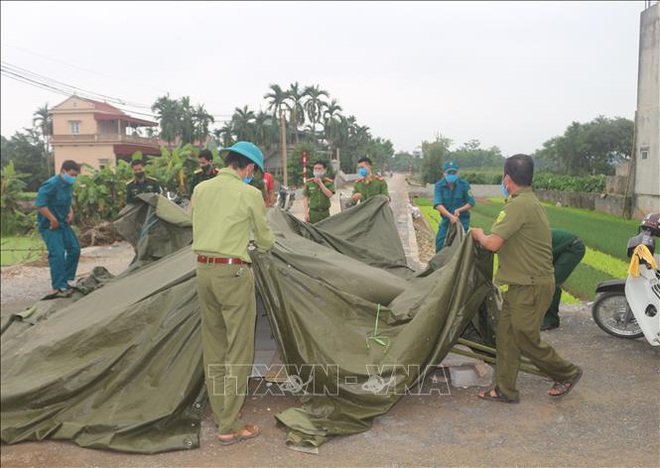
[121,368]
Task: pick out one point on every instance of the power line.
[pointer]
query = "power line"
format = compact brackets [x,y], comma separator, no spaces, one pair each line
[49,84]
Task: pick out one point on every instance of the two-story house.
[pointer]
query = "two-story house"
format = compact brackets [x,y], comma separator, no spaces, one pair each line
[96,133]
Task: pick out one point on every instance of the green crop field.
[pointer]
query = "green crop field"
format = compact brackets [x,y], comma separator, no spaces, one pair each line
[21,250]
[605,236]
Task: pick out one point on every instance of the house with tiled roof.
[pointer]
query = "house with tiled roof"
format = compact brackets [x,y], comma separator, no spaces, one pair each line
[97,133]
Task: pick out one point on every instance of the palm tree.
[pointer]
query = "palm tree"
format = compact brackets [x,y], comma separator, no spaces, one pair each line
[168,114]
[331,123]
[314,106]
[225,134]
[43,121]
[187,121]
[201,121]
[295,105]
[242,123]
[263,130]
[277,100]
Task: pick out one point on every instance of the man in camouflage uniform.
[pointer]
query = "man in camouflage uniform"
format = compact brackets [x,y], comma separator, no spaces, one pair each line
[521,237]
[369,185]
[206,170]
[140,182]
[317,193]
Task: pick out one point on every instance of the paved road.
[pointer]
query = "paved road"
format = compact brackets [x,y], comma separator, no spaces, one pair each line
[612,418]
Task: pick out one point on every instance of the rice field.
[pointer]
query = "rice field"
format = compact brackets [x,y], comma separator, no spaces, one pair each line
[605,237]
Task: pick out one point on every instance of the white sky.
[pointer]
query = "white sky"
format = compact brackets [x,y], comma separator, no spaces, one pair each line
[511,74]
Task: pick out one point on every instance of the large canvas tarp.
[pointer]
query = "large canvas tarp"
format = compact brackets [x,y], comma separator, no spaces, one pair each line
[121,367]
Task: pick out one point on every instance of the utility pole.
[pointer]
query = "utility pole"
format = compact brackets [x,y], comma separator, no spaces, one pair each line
[283,146]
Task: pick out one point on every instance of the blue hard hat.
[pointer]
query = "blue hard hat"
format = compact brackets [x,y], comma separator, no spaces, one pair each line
[247,149]
[451,166]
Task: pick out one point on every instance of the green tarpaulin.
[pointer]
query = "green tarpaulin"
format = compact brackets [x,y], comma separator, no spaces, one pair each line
[121,367]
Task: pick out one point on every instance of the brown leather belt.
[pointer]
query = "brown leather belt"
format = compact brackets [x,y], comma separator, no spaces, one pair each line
[222,260]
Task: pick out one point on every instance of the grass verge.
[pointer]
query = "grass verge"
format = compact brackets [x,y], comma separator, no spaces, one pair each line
[18,249]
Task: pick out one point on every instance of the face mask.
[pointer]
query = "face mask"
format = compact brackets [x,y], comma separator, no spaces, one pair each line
[505,192]
[319,174]
[451,178]
[68,179]
[247,180]
[139,175]
[363,171]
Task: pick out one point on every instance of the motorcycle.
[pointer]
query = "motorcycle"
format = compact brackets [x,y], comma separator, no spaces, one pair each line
[629,308]
[285,198]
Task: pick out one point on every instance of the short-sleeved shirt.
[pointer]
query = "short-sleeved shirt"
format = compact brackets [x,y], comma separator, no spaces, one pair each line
[135,188]
[453,198]
[200,176]
[56,195]
[225,211]
[370,188]
[318,201]
[526,255]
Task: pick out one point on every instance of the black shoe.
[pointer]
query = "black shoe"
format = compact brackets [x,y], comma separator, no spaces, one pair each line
[548,326]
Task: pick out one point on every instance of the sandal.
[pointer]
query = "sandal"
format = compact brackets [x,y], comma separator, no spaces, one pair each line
[566,386]
[249,431]
[59,293]
[499,396]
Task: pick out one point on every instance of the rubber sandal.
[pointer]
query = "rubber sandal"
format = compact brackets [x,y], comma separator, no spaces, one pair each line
[499,396]
[566,386]
[235,438]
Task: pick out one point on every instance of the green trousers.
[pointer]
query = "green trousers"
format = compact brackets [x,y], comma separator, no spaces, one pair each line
[564,265]
[518,333]
[229,310]
[316,216]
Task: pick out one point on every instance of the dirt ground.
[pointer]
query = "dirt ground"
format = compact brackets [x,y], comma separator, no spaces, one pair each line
[612,418]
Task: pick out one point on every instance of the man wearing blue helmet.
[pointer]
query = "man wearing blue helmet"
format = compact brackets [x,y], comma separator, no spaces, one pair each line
[226,212]
[453,199]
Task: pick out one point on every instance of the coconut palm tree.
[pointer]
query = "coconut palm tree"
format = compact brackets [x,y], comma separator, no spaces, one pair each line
[43,122]
[242,123]
[295,99]
[314,106]
[201,122]
[168,114]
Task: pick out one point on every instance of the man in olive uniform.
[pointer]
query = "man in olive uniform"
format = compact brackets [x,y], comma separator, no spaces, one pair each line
[140,182]
[369,185]
[226,211]
[567,252]
[453,199]
[206,170]
[521,237]
[317,193]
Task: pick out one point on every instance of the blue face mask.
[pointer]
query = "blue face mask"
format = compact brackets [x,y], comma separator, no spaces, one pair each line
[505,192]
[247,180]
[363,172]
[68,179]
[451,178]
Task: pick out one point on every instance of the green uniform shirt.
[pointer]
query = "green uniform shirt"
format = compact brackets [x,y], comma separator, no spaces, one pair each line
[318,201]
[561,240]
[225,211]
[201,176]
[370,188]
[526,255]
[135,188]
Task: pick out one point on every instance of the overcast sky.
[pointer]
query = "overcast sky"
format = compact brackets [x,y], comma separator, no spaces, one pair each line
[511,74]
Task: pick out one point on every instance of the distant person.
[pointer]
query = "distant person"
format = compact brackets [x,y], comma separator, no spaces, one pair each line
[521,237]
[317,193]
[206,170]
[140,182]
[54,219]
[453,199]
[368,185]
[567,252]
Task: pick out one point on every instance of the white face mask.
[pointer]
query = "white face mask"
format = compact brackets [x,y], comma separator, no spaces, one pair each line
[319,174]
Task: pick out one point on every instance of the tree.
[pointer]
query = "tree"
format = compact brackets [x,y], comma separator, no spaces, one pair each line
[590,148]
[42,121]
[241,123]
[297,111]
[314,106]
[435,153]
[472,156]
[168,114]
[25,149]
[201,122]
